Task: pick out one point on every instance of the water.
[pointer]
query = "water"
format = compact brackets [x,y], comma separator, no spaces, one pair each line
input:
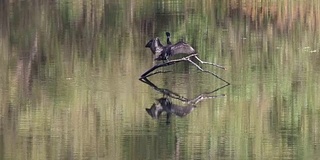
[70,84]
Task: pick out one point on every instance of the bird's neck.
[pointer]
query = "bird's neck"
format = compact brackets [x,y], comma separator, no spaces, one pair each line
[168,40]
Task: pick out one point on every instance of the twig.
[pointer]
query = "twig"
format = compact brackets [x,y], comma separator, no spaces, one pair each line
[207,71]
[207,93]
[204,62]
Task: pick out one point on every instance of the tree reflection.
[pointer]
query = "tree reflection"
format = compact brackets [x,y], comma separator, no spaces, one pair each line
[165,104]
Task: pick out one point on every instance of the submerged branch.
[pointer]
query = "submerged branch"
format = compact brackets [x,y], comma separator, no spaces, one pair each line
[193,101]
[164,91]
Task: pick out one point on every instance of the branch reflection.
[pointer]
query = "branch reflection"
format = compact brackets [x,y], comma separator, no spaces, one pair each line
[165,104]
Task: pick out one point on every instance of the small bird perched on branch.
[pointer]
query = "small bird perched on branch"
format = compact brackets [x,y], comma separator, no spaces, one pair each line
[164,52]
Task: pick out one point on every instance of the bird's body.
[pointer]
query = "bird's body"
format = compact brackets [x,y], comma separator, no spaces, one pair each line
[164,52]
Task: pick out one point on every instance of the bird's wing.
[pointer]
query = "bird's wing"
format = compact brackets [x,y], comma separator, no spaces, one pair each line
[181,47]
[155,45]
[157,42]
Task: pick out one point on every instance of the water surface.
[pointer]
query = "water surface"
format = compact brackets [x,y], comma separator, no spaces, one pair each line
[70,84]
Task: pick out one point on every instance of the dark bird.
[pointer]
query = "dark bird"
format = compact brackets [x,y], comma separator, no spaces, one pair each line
[164,52]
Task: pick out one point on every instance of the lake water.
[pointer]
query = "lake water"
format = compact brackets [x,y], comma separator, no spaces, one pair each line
[70,88]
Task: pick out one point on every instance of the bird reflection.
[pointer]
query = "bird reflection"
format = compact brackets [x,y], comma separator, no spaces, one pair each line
[164,104]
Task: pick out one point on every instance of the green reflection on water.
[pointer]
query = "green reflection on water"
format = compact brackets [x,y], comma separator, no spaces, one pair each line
[70,89]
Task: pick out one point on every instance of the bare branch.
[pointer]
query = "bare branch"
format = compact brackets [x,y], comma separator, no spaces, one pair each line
[145,74]
[204,62]
[207,71]
[187,58]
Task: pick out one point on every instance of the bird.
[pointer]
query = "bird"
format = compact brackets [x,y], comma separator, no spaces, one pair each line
[164,52]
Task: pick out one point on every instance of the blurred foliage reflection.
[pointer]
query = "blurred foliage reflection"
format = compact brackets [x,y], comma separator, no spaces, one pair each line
[69,83]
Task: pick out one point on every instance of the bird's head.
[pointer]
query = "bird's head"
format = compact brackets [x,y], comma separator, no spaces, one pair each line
[168,34]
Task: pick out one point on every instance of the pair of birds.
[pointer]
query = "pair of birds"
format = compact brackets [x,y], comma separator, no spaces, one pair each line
[164,52]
